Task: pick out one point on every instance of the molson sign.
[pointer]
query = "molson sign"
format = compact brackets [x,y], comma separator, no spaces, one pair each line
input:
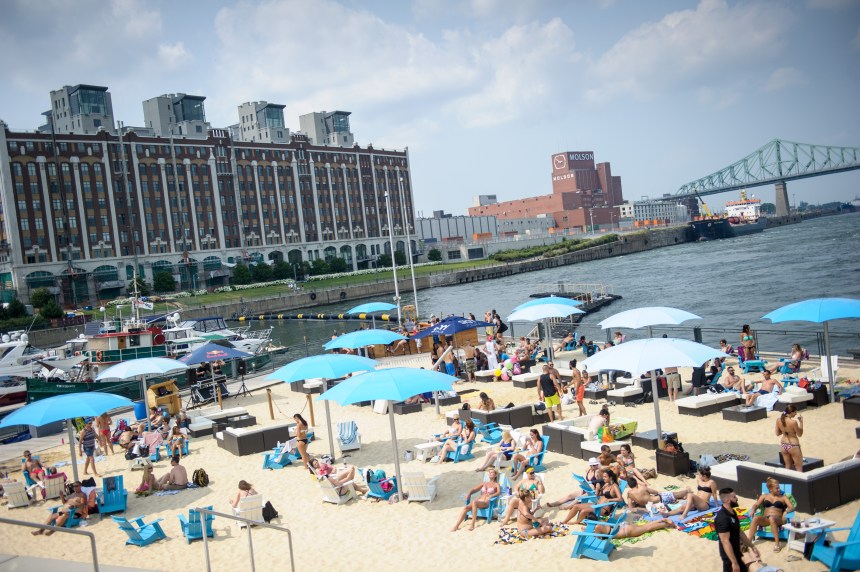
[573,160]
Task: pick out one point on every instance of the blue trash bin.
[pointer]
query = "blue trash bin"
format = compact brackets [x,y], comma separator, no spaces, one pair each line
[139,410]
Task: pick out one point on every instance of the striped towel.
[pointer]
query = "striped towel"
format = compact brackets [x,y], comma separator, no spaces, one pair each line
[347,432]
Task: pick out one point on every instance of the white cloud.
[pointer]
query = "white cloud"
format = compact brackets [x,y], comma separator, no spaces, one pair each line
[174,56]
[135,19]
[782,78]
[689,50]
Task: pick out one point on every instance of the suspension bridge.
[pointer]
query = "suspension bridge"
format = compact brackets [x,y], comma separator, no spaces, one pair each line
[775,163]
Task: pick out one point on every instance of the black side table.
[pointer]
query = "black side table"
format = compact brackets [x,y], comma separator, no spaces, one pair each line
[744,414]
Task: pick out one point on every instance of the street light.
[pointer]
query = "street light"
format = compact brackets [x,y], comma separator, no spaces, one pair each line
[591,216]
[393,262]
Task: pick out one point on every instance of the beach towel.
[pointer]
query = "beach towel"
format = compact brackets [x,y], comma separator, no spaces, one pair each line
[347,432]
[510,534]
[767,401]
[619,541]
[703,526]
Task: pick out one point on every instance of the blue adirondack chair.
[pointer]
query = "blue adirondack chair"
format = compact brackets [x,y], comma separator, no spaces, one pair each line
[766,532]
[114,497]
[594,545]
[585,485]
[463,452]
[280,459]
[194,526]
[535,460]
[138,532]
[753,365]
[73,519]
[381,487]
[489,432]
[489,512]
[839,555]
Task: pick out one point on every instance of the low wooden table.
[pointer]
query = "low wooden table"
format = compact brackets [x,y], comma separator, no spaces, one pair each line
[648,439]
[426,451]
[744,414]
[804,531]
[809,463]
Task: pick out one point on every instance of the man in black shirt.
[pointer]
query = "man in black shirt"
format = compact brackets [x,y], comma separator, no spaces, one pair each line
[548,391]
[728,528]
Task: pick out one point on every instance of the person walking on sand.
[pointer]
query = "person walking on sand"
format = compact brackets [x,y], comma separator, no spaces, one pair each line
[789,428]
[87,446]
[728,528]
[469,357]
[103,423]
[548,392]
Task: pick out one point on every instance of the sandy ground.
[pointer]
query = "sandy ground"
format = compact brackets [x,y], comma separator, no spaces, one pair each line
[381,536]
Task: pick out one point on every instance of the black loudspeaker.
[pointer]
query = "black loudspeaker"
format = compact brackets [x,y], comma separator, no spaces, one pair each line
[243,367]
[192,376]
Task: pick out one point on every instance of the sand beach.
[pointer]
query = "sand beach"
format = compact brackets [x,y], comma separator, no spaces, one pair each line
[367,535]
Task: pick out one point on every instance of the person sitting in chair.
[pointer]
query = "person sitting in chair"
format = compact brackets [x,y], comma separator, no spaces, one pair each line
[32,466]
[75,503]
[567,339]
[767,385]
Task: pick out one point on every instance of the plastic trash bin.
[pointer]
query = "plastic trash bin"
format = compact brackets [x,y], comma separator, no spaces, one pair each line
[139,410]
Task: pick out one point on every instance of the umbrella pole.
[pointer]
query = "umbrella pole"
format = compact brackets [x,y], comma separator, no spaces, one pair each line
[328,429]
[71,434]
[143,398]
[656,399]
[396,450]
[549,352]
[827,364]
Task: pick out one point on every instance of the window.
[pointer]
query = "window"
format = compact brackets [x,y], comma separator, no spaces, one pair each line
[38,223]
[31,169]
[22,205]
[85,170]
[25,224]
[73,222]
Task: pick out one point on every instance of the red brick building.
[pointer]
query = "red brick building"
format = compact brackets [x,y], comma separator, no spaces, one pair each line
[583,195]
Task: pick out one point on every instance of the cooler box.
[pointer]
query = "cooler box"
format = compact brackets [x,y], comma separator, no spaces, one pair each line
[139,410]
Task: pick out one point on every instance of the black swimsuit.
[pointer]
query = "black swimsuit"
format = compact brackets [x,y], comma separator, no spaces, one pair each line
[704,489]
[778,505]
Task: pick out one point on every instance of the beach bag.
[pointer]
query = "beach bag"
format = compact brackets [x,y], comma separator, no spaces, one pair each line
[803,383]
[200,478]
[606,435]
[269,512]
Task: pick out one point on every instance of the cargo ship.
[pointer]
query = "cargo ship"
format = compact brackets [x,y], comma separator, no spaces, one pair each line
[741,218]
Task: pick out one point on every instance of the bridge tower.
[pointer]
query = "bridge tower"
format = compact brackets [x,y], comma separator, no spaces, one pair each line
[781,198]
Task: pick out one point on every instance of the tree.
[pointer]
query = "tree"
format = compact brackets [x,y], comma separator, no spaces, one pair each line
[261,272]
[399,257]
[303,269]
[435,255]
[337,265]
[40,296]
[143,288]
[282,270]
[241,275]
[16,309]
[51,310]
[384,260]
[768,208]
[319,266]
[163,282]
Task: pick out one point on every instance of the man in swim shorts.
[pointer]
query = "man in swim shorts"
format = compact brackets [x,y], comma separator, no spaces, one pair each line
[550,392]
[767,385]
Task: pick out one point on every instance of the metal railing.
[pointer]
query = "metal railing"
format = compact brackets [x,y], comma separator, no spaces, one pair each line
[88,534]
[248,522]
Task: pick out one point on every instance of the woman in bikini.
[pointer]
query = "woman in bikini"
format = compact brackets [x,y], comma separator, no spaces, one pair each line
[177,440]
[776,505]
[467,436]
[246,489]
[534,445]
[302,438]
[789,428]
[609,492]
[532,486]
[488,489]
[505,448]
[628,462]
[747,343]
[706,489]
[338,477]
[527,523]
[627,530]
[487,403]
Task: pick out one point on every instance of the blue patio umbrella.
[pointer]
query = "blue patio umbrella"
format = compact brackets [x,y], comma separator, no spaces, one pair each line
[371,308]
[327,366]
[67,406]
[548,300]
[141,368]
[640,356]
[451,325]
[210,352]
[363,338]
[393,384]
[819,311]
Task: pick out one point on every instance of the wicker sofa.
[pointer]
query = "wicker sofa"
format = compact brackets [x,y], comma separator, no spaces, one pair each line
[242,442]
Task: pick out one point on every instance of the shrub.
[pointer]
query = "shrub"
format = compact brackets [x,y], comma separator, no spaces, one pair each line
[51,310]
[40,296]
[163,282]
[434,255]
[241,275]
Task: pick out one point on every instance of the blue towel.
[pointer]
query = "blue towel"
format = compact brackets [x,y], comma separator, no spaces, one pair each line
[347,432]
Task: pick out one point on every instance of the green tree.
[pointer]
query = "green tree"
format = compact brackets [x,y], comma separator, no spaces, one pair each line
[434,255]
[143,288]
[16,309]
[384,260]
[281,270]
[163,282]
[337,265]
[241,275]
[40,296]
[261,272]
[304,269]
[768,208]
[399,257]
[319,266]
[51,310]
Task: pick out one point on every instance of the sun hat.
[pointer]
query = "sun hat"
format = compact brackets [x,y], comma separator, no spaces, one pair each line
[530,470]
[592,462]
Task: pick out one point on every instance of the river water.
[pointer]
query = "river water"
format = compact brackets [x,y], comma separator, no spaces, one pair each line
[727,282]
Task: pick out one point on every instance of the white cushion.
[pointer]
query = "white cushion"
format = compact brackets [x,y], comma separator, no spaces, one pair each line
[728,470]
[795,397]
[527,377]
[594,446]
[624,392]
[201,423]
[485,373]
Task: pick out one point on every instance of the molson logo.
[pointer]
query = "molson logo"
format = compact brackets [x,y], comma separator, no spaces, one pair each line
[559,162]
[581,156]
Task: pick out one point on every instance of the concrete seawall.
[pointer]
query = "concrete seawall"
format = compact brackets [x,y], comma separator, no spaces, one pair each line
[310,298]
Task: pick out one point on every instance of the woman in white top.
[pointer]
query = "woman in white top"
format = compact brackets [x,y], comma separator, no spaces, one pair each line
[246,489]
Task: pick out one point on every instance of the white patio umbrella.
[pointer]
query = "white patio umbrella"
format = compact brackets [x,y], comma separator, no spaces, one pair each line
[640,356]
[531,312]
[141,368]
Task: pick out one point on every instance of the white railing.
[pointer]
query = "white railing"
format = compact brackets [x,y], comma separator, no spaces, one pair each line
[249,523]
[88,534]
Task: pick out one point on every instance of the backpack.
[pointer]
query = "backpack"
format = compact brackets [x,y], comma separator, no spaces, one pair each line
[200,478]
[269,512]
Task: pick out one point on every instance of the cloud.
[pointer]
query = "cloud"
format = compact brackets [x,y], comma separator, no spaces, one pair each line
[782,78]
[831,4]
[690,50]
[174,56]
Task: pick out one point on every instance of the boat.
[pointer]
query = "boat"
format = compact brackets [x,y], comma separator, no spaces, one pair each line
[742,217]
[215,328]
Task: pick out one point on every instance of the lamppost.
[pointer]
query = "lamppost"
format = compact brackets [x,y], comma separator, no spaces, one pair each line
[393,262]
[591,216]
[409,248]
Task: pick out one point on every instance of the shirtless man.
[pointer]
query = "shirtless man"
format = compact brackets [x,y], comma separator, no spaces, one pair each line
[176,479]
[767,385]
[640,494]
[469,357]
[568,338]
[33,466]
[730,381]
[103,423]
[75,502]
[450,368]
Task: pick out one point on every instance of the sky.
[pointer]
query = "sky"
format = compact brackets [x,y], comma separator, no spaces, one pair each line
[482,92]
